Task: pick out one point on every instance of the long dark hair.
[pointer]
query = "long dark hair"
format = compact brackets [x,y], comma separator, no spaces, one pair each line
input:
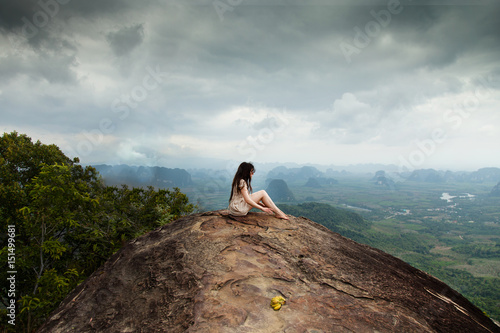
[243,172]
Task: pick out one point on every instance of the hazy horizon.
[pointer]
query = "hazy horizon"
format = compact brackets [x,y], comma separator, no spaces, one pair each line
[231,166]
[308,82]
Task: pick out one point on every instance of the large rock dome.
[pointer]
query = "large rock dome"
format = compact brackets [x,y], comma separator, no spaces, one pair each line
[212,272]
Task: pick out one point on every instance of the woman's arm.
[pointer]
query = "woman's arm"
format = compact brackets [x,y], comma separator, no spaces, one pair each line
[252,203]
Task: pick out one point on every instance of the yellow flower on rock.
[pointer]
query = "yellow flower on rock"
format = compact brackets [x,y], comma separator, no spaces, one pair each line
[277,302]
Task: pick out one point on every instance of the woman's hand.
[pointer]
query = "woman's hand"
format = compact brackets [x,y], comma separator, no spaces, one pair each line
[267,210]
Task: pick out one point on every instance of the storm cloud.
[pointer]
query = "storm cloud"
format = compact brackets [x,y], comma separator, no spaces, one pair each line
[163,83]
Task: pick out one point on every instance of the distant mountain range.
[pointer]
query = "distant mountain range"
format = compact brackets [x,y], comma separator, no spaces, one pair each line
[161,177]
[311,176]
[306,173]
[483,175]
[293,174]
[141,176]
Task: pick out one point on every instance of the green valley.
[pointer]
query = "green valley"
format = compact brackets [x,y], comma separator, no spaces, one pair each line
[448,229]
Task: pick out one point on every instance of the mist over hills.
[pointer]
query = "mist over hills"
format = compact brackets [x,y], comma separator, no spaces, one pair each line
[163,177]
[292,174]
[144,176]
[439,176]
[330,168]
[420,175]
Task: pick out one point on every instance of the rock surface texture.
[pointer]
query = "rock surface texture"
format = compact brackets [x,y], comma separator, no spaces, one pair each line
[212,272]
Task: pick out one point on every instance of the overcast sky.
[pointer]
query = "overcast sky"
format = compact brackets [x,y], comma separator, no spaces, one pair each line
[328,82]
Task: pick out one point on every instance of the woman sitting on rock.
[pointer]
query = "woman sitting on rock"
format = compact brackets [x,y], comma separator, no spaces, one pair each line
[242,199]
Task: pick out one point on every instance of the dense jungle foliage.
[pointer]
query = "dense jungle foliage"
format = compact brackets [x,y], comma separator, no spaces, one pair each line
[63,223]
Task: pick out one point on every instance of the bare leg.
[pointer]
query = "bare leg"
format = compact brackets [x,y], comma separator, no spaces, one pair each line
[268,202]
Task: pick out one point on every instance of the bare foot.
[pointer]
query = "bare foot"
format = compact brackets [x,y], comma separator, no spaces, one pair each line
[282,216]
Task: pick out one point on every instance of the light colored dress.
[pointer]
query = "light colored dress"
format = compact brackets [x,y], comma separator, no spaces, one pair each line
[238,206]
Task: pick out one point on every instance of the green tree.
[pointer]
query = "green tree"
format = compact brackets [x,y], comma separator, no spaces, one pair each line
[67,223]
[60,202]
